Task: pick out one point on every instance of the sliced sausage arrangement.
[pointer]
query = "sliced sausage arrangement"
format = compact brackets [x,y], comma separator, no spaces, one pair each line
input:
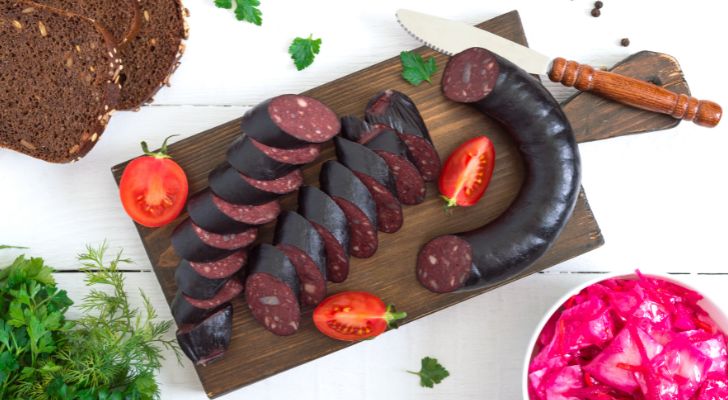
[263,164]
[360,194]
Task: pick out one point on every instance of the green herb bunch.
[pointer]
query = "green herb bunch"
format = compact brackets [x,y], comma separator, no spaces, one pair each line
[112,352]
[32,328]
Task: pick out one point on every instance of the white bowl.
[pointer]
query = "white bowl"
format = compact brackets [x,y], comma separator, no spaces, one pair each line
[708,305]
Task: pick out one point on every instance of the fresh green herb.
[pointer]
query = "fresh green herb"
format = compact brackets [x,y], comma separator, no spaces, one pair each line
[245,10]
[111,352]
[303,51]
[431,372]
[415,69]
[32,327]
[114,346]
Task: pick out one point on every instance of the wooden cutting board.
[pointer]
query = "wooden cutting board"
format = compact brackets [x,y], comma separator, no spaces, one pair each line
[256,354]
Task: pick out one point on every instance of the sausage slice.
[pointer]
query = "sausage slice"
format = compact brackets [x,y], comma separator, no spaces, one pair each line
[290,121]
[374,173]
[410,187]
[354,199]
[397,110]
[300,241]
[330,222]
[195,285]
[272,291]
[186,309]
[232,186]
[248,158]
[207,340]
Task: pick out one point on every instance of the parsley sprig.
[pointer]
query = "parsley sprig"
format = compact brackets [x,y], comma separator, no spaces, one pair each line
[415,69]
[431,373]
[303,51]
[245,10]
[32,327]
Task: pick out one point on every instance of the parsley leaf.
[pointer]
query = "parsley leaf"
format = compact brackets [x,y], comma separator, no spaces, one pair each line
[431,373]
[303,51]
[415,69]
[245,10]
[32,326]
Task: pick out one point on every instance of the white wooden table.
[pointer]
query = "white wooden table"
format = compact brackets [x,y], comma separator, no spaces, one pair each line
[660,198]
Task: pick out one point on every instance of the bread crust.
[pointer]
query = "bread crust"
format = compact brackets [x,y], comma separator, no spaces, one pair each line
[136,24]
[181,33]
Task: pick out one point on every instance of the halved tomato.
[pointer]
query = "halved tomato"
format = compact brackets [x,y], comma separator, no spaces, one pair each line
[467,172]
[153,188]
[352,316]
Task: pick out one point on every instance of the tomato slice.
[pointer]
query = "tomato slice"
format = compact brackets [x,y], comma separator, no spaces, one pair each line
[352,316]
[153,188]
[467,172]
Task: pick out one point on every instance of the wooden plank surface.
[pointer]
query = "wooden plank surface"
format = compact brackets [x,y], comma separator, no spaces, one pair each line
[391,271]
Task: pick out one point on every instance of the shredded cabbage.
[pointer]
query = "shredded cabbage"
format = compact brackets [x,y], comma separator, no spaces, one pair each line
[619,339]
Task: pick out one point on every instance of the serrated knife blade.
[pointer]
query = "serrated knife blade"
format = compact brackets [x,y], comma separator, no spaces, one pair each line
[451,37]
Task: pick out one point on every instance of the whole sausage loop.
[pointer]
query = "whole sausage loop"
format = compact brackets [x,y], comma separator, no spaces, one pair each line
[509,245]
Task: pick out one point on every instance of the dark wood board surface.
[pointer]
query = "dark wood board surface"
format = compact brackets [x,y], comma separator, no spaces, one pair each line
[256,354]
[602,119]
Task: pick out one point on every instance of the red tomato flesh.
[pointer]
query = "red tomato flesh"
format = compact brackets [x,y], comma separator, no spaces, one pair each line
[352,316]
[153,190]
[467,172]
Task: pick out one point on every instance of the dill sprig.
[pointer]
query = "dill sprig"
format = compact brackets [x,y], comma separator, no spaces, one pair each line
[115,346]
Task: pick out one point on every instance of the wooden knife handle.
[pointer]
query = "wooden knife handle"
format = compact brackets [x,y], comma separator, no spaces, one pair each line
[635,93]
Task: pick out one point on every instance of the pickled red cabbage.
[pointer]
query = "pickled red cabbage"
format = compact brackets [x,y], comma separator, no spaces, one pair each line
[642,338]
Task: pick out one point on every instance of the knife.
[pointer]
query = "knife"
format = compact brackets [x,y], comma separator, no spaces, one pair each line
[451,37]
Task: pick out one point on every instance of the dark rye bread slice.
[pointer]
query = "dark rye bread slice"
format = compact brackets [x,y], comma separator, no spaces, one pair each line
[57,81]
[151,58]
[122,17]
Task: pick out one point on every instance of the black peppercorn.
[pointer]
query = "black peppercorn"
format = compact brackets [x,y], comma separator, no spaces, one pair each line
[624,42]
[598,4]
[595,12]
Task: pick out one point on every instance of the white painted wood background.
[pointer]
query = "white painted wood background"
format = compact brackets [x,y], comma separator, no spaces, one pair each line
[660,198]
